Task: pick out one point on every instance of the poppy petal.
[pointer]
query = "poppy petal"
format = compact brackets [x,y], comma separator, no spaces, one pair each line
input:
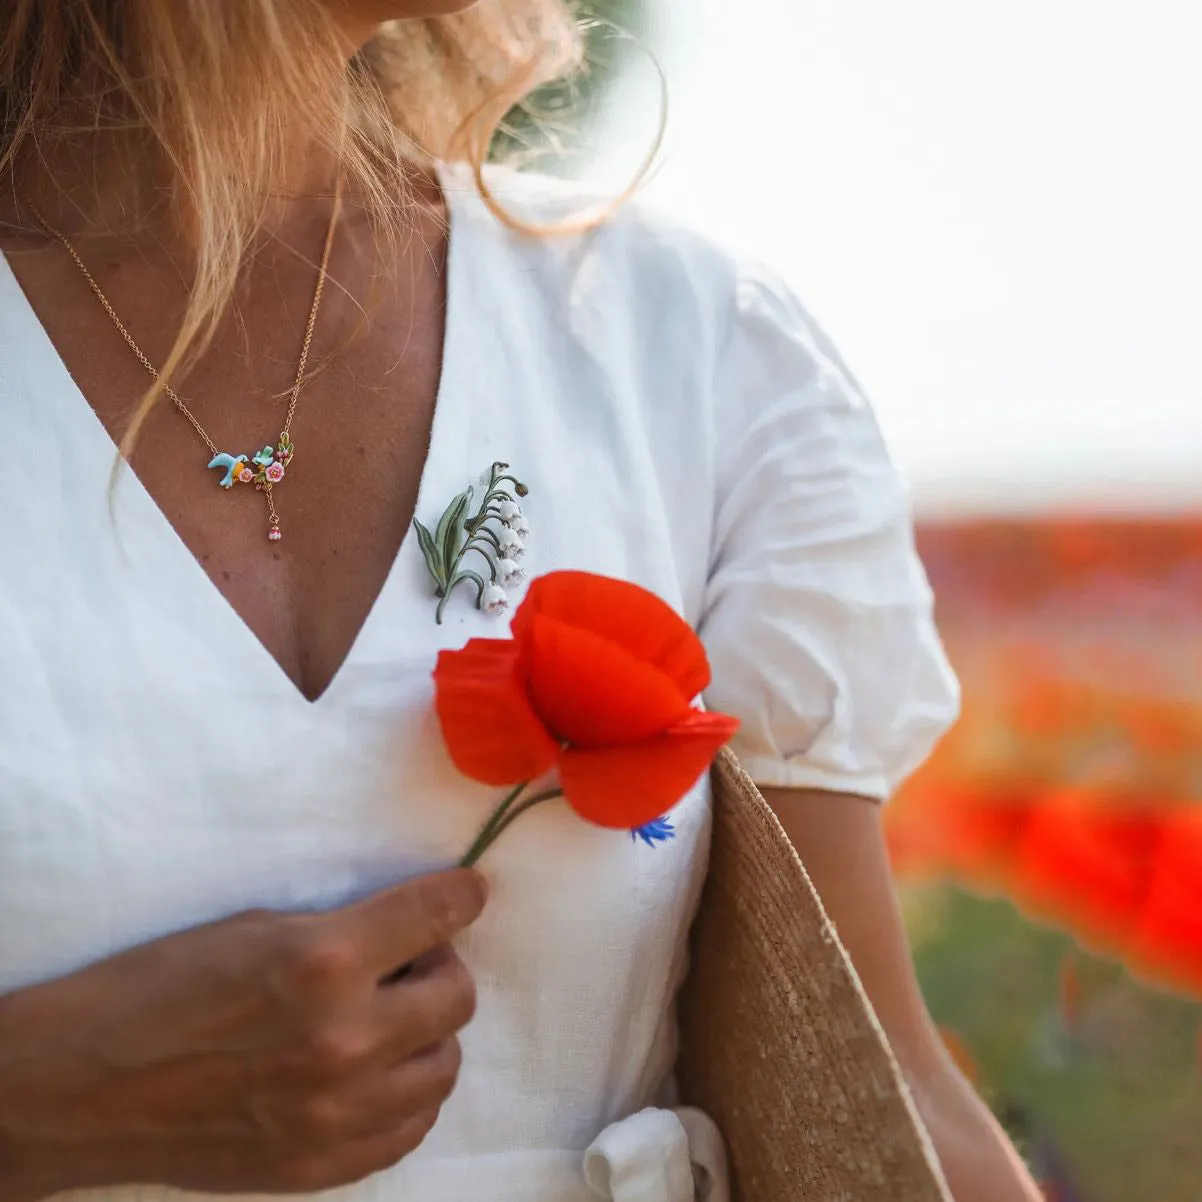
[1086,866]
[629,787]
[592,693]
[1167,941]
[624,614]
[492,733]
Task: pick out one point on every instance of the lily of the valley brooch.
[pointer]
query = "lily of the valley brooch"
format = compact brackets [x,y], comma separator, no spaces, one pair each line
[496,531]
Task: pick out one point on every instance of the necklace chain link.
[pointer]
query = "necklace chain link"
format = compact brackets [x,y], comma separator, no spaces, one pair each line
[172,395]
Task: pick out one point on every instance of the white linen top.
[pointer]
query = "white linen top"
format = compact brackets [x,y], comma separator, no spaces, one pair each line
[683,423]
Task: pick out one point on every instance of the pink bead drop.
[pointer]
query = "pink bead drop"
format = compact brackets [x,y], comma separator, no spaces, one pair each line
[274,534]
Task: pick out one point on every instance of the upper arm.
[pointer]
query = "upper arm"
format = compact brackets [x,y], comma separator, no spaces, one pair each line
[819,625]
[818,616]
[840,840]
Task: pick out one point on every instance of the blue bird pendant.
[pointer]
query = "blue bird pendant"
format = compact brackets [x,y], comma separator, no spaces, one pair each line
[264,469]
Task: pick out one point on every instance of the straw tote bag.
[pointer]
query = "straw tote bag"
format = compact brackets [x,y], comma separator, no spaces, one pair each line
[778,1041]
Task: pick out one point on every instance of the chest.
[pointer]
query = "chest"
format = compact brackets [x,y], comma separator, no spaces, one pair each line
[159,765]
[354,397]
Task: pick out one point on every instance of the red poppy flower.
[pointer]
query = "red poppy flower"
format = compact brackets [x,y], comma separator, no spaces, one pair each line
[598,680]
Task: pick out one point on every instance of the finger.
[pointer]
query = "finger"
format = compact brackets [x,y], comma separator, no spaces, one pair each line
[385,1149]
[380,1102]
[359,1159]
[391,928]
[434,1002]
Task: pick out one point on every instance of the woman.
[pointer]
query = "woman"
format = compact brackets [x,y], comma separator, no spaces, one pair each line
[217,756]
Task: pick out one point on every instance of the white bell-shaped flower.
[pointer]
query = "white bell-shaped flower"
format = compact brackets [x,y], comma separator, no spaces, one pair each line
[509,573]
[495,599]
[510,543]
[508,511]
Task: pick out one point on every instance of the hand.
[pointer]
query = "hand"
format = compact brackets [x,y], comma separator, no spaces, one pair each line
[263,1053]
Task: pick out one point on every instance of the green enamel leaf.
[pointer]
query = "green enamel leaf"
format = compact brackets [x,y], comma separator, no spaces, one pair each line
[448,517]
[425,540]
[453,534]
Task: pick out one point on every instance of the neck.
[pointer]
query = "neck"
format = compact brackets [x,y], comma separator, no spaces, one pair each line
[88,180]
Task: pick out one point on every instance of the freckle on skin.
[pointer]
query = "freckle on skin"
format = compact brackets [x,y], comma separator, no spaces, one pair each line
[225,575]
[361,450]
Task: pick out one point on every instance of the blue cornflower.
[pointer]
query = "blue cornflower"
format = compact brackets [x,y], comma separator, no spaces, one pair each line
[659,831]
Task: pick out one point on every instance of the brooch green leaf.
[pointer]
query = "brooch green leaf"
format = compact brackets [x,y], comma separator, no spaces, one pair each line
[495,531]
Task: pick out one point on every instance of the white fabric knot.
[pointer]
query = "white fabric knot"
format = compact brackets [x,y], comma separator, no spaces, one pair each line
[659,1156]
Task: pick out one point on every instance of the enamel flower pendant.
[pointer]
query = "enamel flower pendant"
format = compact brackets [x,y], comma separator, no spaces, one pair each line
[264,469]
[495,531]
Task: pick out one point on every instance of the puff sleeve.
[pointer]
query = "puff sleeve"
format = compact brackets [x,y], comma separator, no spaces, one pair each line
[817,614]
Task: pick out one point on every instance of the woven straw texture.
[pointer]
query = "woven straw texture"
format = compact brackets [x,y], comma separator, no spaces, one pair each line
[778,1041]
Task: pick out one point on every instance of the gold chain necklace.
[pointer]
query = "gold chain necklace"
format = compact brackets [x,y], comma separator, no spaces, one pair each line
[266,468]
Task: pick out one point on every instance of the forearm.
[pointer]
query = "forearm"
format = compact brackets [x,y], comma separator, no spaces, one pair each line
[18,1185]
[26,1170]
[978,1159]
[840,842]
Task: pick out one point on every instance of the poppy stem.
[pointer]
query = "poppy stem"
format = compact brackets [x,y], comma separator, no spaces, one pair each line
[514,814]
[489,830]
[502,818]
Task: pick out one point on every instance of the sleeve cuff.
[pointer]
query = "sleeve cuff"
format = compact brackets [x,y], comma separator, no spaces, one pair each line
[769,773]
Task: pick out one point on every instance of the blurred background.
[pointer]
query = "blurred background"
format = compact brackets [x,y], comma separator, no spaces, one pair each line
[994,209]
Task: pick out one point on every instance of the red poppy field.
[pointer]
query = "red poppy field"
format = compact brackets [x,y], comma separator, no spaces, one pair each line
[1063,812]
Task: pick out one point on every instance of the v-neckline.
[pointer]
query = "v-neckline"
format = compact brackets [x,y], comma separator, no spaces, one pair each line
[153,524]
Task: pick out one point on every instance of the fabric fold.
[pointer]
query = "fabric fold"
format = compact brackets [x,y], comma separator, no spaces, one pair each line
[659,1156]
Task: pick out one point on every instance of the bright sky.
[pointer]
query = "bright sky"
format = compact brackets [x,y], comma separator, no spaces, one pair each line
[994,209]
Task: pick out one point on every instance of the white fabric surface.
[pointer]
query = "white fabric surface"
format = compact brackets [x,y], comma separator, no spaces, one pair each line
[682,424]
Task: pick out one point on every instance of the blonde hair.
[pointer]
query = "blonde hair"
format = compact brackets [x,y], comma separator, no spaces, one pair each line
[212,92]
